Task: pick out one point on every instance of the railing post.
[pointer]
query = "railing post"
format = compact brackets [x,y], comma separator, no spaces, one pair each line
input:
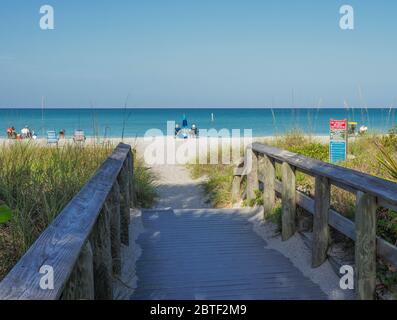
[80,285]
[288,201]
[365,250]
[113,203]
[236,189]
[320,222]
[251,163]
[130,159]
[124,183]
[269,178]
[101,246]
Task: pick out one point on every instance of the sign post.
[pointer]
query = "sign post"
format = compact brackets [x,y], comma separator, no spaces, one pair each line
[338,141]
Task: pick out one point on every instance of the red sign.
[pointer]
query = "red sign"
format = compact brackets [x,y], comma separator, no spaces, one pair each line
[338,124]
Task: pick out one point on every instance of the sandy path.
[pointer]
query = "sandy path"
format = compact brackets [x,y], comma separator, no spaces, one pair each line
[177,190]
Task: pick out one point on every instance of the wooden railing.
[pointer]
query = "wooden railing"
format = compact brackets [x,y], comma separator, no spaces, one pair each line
[78,255]
[259,165]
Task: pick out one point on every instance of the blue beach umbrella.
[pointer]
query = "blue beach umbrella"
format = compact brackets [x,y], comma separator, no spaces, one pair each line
[184,122]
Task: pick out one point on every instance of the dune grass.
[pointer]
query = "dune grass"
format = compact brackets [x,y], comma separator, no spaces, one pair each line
[144,185]
[36,182]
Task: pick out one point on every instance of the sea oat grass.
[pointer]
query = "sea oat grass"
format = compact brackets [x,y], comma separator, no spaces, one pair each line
[37,181]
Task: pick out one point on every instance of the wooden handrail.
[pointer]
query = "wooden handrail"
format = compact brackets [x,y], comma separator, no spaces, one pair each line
[344,178]
[371,192]
[80,249]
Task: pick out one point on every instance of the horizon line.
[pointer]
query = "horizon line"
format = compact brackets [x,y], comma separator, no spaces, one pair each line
[199,108]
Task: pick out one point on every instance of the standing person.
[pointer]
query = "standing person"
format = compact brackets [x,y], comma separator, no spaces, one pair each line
[194,131]
[177,130]
[13,133]
[62,134]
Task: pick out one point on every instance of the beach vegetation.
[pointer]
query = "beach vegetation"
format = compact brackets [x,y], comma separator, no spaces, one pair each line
[36,182]
[144,184]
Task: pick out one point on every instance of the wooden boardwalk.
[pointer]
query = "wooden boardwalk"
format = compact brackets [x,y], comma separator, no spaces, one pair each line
[213,254]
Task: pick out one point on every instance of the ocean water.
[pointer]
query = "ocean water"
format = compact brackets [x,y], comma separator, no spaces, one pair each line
[136,122]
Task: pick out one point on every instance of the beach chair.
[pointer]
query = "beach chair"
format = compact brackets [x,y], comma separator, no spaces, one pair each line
[79,136]
[52,138]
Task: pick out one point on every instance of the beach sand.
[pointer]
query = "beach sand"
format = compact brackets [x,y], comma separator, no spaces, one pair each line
[163,150]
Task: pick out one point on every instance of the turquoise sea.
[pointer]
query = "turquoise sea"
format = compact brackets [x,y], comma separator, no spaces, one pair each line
[136,122]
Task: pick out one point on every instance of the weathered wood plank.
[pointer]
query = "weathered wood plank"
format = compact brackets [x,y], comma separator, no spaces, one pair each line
[61,243]
[236,189]
[113,203]
[80,285]
[236,263]
[385,250]
[130,159]
[239,172]
[100,240]
[268,169]
[251,166]
[365,247]
[124,183]
[340,176]
[288,201]
[320,223]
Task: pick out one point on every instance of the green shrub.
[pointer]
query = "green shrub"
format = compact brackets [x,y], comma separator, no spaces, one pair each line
[257,201]
[297,142]
[275,216]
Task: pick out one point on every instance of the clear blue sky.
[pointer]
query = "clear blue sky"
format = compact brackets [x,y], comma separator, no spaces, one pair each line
[201,53]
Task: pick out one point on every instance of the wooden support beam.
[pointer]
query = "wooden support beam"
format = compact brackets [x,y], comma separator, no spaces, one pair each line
[236,189]
[320,222]
[288,201]
[268,168]
[124,183]
[102,252]
[80,285]
[251,163]
[130,161]
[365,250]
[113,204]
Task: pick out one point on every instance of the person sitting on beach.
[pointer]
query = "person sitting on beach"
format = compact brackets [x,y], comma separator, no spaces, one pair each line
[13,133]
[9,133]
[177,130]
[25,133]
[363,130]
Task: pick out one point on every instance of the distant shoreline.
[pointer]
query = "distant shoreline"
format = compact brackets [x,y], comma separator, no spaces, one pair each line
[135,122]
[190,108]
[142,141]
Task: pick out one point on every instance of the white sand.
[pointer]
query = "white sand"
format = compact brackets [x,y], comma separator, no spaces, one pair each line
[300,256]
[177,190]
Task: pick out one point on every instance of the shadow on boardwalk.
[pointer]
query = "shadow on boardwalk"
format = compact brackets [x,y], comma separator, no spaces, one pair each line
[213,254]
